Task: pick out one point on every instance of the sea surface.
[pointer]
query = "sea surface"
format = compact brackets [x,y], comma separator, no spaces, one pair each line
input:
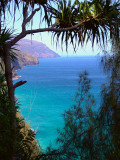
[50,90]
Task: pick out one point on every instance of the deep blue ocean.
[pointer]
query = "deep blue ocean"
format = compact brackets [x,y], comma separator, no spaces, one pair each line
[50,90]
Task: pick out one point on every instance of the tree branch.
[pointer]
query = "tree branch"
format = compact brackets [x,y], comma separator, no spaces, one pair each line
[26,20]
[24,15]
[20,83]
[52,29]
[61,29]
[32,14]
[16,39]
[55,154]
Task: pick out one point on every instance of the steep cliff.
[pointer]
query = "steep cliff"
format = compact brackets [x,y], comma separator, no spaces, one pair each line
[28,52]
[23,59]
[37,49]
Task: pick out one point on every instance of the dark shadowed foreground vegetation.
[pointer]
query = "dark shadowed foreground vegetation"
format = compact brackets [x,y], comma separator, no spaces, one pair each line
[87,134]
[25,145]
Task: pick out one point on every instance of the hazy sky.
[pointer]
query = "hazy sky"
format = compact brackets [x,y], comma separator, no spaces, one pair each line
[46,38]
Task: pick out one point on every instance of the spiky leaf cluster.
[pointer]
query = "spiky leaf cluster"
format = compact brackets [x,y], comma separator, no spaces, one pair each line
[95,20]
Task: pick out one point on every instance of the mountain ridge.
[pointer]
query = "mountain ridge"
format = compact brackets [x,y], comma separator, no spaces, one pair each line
[36,49]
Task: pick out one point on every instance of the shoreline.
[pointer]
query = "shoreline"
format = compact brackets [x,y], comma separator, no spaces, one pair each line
[18,76]
[15,77]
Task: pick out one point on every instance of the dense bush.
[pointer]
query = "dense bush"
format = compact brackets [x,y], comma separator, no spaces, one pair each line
[25,145]
[87,134]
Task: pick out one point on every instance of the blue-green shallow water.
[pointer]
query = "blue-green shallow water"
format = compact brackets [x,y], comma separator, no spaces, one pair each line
[49,91]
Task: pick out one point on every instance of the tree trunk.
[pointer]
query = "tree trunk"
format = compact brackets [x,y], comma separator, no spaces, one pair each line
[8,76]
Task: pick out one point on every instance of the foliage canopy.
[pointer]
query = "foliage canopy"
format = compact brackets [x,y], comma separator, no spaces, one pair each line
[85,133]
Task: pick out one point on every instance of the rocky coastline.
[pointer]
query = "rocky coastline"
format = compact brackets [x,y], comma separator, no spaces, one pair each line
[22,60]
[27,54]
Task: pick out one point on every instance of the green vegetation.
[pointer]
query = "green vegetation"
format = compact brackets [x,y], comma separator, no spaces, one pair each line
[22,59]
[86,134]
[25,145]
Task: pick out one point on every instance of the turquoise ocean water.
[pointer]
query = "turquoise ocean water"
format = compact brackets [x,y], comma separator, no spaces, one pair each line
[50,90]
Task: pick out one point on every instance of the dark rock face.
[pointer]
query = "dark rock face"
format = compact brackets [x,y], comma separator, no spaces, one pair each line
[36,49]
[28,53]
[23,59]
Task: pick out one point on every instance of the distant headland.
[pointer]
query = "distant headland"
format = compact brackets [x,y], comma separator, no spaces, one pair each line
[36,49]
[28,52]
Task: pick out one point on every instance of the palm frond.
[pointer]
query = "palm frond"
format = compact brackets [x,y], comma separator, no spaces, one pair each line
[5,37]
[93,29]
